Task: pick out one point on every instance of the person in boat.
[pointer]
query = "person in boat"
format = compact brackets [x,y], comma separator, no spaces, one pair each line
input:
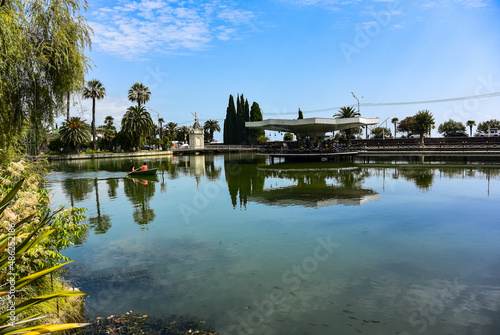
[144,167]
[133,168]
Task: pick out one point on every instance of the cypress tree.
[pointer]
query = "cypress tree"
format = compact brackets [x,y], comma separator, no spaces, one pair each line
[255,115]
[230,123]
[301,116]
[240,123]
[246,118]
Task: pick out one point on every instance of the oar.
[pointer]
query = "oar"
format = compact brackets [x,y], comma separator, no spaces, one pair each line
[132,171]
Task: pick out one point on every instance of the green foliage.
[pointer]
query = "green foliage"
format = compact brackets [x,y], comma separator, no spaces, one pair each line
[136,123]
[255,115]
[424,120]
[56,144]
[406,125]
[381,132]
[451,126]
[30,234]
[483,126]
[230,123]
[346,112]
[301,115]
[75,132]
[211,126]
[262,139]
[139,93]
[288,137]
[43,58]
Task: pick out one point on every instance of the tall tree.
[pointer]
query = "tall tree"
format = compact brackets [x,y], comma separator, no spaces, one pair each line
[211,126]
[230,123]
[160,121]
[136,123]
[395,122]
[301,115]
[423,123]
[470,124]
[42,59]
[75,132]
[172,130]
[94,90]
[139,93]
[109,130]
[255,115]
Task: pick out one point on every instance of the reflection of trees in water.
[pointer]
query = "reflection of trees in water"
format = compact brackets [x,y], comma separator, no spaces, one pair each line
[140,192]
[212,172]
[312,185]
[112,187]
[242,178]
[100,223]
[423,178]
[77,189]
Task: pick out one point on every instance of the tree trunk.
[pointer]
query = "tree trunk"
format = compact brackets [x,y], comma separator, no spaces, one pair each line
[67,108]
[93,123]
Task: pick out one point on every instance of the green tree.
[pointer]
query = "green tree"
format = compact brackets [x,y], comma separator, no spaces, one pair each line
[211,126]
[182,134]
[345,113]
[395,122]
[470,124]
[161,121]
[109,130]
[301,115]
[255,115]
[136,123]
[230,123]
[288,137]
[484,126]
[94,90]
[406,125]
[381,132]
[424,120]
[43,58]
[171,128]
[75,132]
[139,93]
[451,126]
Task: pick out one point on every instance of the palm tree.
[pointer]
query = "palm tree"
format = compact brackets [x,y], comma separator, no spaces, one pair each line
[395,122]
[139,93]
[160,121]
[75,132]
[212,126]
[136,123]
[470,124]
[172,130]
[94,90]
[345,113]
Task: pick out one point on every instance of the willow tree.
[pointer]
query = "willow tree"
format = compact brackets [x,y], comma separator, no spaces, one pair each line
[43,59]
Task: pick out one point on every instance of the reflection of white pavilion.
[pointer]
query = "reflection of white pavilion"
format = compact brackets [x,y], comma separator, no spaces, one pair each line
[314,127]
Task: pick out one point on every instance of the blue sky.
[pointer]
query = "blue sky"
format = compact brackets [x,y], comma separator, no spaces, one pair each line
[286,54]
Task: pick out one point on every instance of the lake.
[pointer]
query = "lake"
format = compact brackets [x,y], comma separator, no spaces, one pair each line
[309,248]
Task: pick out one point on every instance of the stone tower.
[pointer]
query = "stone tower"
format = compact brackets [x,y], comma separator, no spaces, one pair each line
[196,135]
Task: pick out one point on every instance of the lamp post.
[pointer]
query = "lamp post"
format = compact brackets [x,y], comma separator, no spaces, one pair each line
[355,97]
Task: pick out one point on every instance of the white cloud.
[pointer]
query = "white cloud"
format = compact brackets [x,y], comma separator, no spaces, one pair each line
[135,29]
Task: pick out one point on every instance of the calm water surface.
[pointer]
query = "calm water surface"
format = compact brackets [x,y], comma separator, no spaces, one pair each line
[290,249]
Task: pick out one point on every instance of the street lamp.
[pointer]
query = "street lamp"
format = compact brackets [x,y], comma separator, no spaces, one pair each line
[355,97]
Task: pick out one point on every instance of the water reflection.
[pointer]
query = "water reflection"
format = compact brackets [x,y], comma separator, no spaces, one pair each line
[140,192]
[288,185]
[102,222]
